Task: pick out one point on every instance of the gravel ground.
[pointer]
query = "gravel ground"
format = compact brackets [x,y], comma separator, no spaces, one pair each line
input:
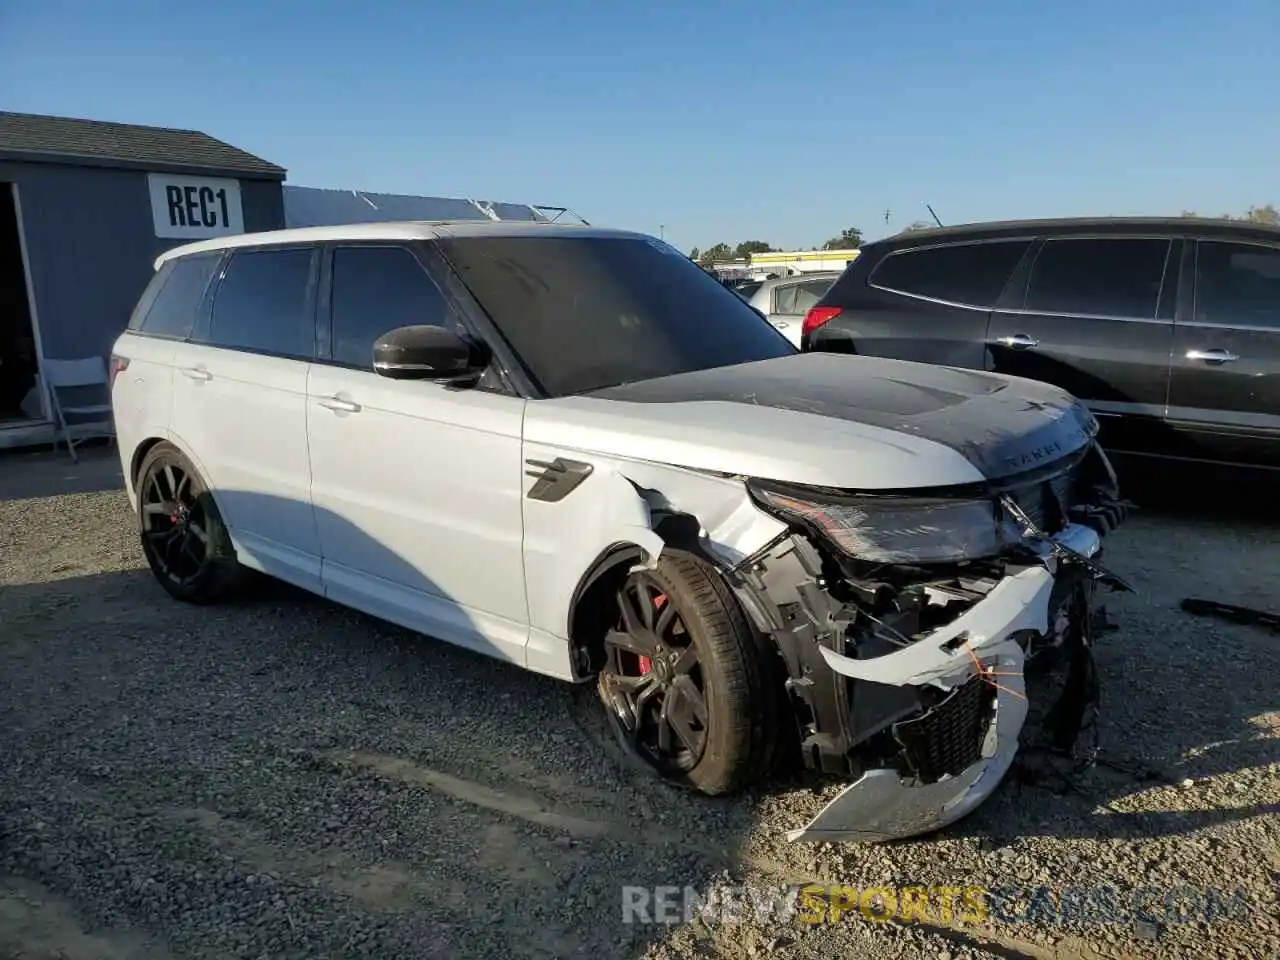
[281,777]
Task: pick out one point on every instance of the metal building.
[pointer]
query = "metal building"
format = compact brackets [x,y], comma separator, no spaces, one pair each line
[314,207]
[85,208]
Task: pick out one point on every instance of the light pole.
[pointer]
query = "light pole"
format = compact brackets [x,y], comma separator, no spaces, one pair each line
[662,232]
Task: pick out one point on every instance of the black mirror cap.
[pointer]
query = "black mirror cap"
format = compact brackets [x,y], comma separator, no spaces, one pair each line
[426,352]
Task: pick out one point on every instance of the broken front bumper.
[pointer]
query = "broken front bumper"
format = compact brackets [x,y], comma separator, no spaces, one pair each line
[978,661]
[883,805]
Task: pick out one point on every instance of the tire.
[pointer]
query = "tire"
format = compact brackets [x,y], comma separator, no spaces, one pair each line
[733,669]
[172,522]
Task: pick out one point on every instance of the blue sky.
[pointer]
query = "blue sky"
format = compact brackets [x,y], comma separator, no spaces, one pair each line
[714,120]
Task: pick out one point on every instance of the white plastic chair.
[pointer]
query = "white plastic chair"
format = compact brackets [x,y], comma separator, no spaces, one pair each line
[77,375]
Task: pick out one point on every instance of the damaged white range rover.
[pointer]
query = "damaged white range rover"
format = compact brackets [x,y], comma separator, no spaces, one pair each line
[572,449]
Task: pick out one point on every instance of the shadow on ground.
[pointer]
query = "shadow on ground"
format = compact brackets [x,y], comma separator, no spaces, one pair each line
[41,472]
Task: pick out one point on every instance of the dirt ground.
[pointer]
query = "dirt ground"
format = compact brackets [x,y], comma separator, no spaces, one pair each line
[280,777]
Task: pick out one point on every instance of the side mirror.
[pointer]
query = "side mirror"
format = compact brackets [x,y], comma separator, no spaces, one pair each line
[428,353]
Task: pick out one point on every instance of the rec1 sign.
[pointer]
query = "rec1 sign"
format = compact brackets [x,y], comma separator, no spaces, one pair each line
[195,208]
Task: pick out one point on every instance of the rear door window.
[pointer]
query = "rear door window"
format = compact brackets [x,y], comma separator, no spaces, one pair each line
[809,293]
[971,274]
[263,303]
[168,308]
[785,298]
[1237,284]
[377,289]
[1104,276]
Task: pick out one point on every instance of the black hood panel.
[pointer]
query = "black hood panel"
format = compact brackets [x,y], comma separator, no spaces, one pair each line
[1001,425]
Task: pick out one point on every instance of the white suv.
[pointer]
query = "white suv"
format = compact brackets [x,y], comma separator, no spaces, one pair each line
[573,450]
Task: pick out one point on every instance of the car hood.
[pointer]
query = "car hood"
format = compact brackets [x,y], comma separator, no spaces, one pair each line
[826,419]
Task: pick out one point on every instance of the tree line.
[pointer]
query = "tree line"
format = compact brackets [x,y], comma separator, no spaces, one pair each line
[851,237]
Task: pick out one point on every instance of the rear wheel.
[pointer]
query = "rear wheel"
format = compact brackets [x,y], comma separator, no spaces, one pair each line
[183,537]
[686,681]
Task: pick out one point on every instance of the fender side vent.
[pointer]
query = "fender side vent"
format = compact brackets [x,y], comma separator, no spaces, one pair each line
[556,479]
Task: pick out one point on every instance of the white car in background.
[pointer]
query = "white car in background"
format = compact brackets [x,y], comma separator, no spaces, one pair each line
[573,450]
[785,300]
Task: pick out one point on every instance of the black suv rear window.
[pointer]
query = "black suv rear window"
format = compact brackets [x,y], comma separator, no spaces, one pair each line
[973,274]
[585,313]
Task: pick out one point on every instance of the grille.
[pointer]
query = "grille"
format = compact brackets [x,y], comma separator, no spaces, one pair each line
[947,739]
[1047,501]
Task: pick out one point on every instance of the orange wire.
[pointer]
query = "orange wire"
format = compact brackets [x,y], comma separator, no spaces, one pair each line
[987,673]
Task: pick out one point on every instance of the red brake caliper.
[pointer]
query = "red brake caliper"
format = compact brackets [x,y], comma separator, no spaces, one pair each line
[646,664]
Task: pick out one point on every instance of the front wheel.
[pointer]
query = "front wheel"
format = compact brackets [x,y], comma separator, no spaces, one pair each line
[183,537]
[686,682]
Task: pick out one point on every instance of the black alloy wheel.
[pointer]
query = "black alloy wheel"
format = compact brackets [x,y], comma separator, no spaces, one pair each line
[688,685]
[183,537]
[174,529]
[652,678]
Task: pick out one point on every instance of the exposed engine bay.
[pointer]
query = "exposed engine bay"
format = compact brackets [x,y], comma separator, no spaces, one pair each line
[909,649]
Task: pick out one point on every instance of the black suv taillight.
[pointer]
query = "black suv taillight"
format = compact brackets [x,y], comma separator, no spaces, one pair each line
[816,317]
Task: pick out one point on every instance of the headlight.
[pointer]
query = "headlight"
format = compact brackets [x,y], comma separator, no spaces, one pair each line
[892,528]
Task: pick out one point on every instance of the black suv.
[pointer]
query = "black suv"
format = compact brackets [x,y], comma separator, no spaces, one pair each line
[1168,328]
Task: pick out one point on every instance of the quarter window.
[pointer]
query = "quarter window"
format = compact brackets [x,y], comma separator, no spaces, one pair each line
[797,298]
[973,274]
[1110,277]
[175,297]
[376,290]
[262,303]
[809,293]
[784,298]
[1237,284]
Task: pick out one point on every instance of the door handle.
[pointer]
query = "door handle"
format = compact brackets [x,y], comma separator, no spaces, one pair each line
[340,405]
[196,373]
[1212,356]
[781,324]
[1019,341]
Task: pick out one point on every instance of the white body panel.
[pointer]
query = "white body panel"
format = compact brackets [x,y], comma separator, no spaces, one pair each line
[142,397]
[242,418]
[613,506]
[417,500]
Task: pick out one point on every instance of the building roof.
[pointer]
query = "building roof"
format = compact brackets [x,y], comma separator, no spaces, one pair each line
[399,230]
[314,207]
[31,137]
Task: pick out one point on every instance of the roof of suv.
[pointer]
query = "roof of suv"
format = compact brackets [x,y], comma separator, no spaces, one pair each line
[1102,225]
[395,230]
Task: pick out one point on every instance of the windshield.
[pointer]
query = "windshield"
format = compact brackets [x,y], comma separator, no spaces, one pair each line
[748,290]
[585,313]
